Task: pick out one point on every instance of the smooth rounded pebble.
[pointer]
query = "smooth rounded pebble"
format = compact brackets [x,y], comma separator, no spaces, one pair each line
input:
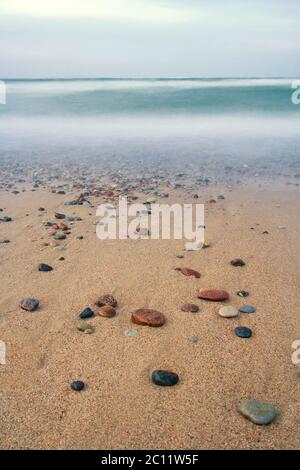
[77,385]
[45,267]
[29,304]
[149,317]
[131,333]
[85,327]
[243,332]
[247,309]
[228,312]
[2,242]
[86,313]
[213,295]
[106,299]
[108,311]
[164,378]
[190,308]
[193,339]
[243,293]
[257,411]
[237,262]
[189,272]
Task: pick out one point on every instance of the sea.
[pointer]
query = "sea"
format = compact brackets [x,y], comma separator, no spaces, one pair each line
[163,118]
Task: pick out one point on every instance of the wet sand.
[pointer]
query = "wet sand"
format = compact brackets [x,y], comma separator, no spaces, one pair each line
[120,407]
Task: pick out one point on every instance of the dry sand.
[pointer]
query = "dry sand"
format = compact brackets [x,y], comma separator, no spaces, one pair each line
[120,407]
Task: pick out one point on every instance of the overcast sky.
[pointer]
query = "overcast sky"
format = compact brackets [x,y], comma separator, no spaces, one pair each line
[149,38]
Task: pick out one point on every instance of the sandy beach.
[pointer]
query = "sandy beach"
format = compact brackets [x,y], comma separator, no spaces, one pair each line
[120,408]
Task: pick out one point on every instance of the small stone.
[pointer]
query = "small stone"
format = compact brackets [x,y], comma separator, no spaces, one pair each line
[193,339]
[243,293]
[108,311]
[164,378]
[6,219]
[85,327]
[61,258]
[149,317]
[86,313]
[257,411]
[237,262]
[60,236]
[131,333]
[179,256]
[59,216]
[213,295]
[107,299]
[188,272]
[45,267]
[247,309]
[228,312]
[243,332]
[190,308]
[80,237]
[3,242]
[78,385]
[29,304]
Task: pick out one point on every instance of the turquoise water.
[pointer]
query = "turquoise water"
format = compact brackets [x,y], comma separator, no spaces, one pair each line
[56,115]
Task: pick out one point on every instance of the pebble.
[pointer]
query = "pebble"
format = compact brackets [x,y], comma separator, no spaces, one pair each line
[164,378]
[243,332]
[86,313]
[237,262]
[247,309]
[190,308]
[2,242]
[213,295]
[257,411]
[193,339]
[107,299]
[80,237]
[179,256]
[59,216]
[188,272]
[108,311]
[29,304]
[85,327]
[60,236]
[61,258]
[228,312]
[77,385]
[45,267]
[131,333]
[149,317]
[243,293]
[6,219]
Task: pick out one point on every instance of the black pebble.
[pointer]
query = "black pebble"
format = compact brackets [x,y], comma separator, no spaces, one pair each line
[86,313]
[237,262]
[45,267]
[164,378]
[77,385]
[243,293]
[243,332]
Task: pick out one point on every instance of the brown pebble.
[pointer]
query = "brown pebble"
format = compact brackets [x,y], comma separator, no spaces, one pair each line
[214,295]
[149,317]
[107,311]
[188,272]
[107,299]
[190,308]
